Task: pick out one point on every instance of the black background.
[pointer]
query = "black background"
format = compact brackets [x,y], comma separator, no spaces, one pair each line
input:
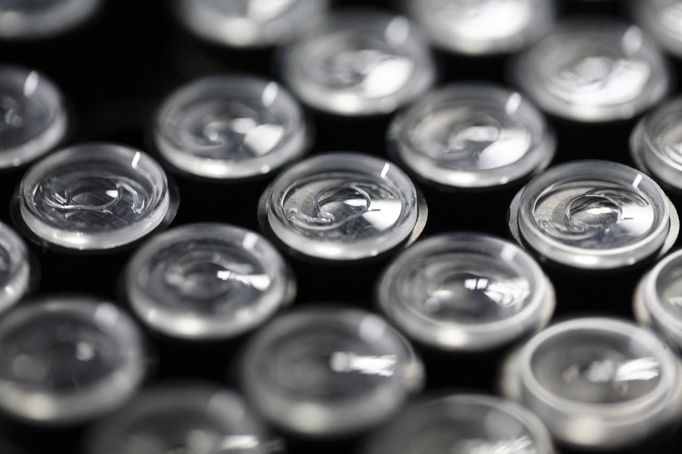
[116,71]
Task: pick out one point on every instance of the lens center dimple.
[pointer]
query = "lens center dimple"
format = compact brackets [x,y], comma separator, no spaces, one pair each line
[594,210]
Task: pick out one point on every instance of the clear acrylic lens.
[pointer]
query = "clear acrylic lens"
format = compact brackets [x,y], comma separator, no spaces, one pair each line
[231,127]
[359,62]
[33,117]
[249,23]
[466,291]
[329,371]
[463,423]
[34,19]
[594,70]
[472,136]
[594,215]
[656,143]
[193,418]
[482,27]
[596,382]
[663,19]
[67,359]
[207,281]
[94,197]
[15,269]
[342,206]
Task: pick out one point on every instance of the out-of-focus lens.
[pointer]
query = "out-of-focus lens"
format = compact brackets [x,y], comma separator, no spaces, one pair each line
[359,62]
[207,281]
[36,19]
[594,70]
[466,291]
[329,371]
[231,127]
[15,268]
[663,19]
[472,136]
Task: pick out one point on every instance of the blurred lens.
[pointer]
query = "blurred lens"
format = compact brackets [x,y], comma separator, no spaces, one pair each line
[35,19]
[329,371]
[94,196]
[594,215]
[15,269]
[593,70]
[207,281]
[67,359]
[359,62]
[596,382]
[466,291]
[342,206]
[33,118]
[472,136]
[663,19]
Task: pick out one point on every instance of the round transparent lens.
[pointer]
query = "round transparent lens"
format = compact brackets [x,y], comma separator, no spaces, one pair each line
[597,382]
[466,291]
[15,269]
[342,206]
[94,197]
[472,136]
[231,127]
[663,19]
[33,119]
[359,62]
[463,423]
[482,27]
[656,143]
[594,214]
[193,418]
[204,281]
[34,19]
[329,371]
[67,359]
[249,23]
[594,70]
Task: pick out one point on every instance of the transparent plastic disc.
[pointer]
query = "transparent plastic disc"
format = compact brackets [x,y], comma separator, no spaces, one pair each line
[231,127]
[15,268]
[249,23]
[36,19]
[465,291]
[472,136]
[463,424]
[67,359]
[359,62]
[329,371]
[193,419]
[597,382]
[594,214]
[94,196]
[594,70]
[33,118]
[342,206]
[203,281]
[663,19]
[482,27]
[656,143]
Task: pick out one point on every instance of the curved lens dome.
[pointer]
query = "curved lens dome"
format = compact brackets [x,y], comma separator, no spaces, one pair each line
[231,127]
[342,206]
[656,143]
[465,291]
[480,27]
[472,136]
[594,70]
[597,382]
[204,281]
[15,269]
[463,423]
[658,299]
[329,371]
[67,359]
[663,19]
[249,23]
[35,19]
[33,118]
[359,62]
[94,197]
[192,418]
[594,214]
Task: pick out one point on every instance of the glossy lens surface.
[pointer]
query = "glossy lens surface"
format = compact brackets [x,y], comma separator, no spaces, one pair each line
[37,19]
[15,269]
